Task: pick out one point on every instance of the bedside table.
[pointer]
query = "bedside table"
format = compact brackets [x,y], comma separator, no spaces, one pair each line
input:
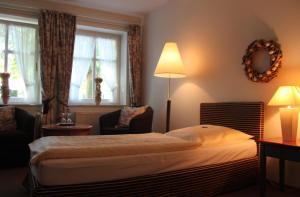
[56,130]
[275,147]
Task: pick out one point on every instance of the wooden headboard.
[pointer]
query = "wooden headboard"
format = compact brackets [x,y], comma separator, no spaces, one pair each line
[244,116]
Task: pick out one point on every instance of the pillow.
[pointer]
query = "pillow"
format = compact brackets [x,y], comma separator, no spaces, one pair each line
[127,113]
[187,133]
[209,134]
[7,118]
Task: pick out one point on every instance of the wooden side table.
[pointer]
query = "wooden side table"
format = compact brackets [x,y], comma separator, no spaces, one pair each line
[275,147]
[56,130]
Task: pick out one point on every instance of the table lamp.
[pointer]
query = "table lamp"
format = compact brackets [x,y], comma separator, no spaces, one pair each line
[289,98]
[169,66]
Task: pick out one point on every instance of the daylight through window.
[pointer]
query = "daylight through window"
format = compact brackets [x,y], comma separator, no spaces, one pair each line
[18,47]
[96,55]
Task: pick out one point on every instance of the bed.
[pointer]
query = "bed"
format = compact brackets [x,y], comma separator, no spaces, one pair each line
[178,174]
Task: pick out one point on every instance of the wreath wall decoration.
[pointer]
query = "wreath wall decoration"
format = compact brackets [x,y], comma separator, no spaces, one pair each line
[275,54]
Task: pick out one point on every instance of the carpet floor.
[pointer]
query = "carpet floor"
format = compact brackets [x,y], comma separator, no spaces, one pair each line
[11,182]
[11,186]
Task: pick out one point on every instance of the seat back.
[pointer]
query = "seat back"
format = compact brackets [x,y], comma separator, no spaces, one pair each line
[141,123]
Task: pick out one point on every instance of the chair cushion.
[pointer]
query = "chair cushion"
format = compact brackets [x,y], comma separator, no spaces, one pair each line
[7,119]
[14,137]
[127,113]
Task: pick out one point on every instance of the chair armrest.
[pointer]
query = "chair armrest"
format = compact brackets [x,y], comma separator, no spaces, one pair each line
[25,121]
[142,123]
[109,120]
[37,126]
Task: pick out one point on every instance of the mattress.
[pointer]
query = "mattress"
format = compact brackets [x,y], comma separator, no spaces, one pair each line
[88,170]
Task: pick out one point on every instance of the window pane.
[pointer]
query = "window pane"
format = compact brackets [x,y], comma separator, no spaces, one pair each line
[108,84]
[21,61]
[107,93]
[16,83]
[2,46]
[22,39]
[86,88]
[103,52]
[98,69]
[22,65]
[82,73]
[88,43]
[106,67]
[106,49]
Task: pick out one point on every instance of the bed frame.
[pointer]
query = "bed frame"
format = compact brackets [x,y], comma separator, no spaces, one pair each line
[201,181]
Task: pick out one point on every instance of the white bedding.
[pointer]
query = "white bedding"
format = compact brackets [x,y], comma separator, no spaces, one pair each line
[69,147]
[96,169]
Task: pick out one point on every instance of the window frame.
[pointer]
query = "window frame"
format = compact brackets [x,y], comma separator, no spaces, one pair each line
[7,23]
[117,93]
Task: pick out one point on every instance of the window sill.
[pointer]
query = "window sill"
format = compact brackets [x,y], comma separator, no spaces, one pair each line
[23,104]
[71,105]
[97,106]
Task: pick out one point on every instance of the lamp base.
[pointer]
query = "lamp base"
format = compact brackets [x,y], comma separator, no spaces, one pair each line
[168,115]
[289,123]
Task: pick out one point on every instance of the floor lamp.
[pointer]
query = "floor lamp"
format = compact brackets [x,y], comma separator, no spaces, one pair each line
[169,66]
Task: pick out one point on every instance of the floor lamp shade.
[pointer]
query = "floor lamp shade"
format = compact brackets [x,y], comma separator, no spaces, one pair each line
[170,65]
[288,97]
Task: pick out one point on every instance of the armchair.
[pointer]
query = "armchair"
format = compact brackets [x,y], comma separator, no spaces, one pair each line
[141,123]
[14,150]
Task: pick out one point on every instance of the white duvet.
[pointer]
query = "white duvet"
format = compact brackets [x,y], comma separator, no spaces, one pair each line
[64,147]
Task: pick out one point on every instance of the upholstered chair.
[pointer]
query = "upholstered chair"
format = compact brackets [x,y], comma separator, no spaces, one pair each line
[14,150]
[142,123]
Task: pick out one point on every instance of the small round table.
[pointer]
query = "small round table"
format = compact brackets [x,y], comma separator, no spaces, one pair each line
[57,130]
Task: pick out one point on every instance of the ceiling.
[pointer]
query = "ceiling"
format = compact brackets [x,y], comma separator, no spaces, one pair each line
[137,7]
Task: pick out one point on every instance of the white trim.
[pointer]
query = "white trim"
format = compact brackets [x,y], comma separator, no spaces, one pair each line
[95,33]
[124,69]
[85,102]
[85,16]
[118,62]
[6,48]
[11,21]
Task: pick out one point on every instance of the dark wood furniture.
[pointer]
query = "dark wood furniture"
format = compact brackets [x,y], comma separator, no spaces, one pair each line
[142,123]
[275,147]
[56,130]
[206,181]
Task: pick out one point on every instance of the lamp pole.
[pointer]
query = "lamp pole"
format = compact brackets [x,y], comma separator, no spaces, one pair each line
[168,107]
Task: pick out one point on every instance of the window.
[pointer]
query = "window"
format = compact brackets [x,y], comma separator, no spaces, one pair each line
[18,56]
[97,54]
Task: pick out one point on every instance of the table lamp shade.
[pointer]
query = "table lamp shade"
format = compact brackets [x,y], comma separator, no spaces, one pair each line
[170,64]
[289,98]
[286,96]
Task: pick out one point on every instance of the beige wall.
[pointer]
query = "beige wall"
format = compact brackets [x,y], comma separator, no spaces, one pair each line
[212,36]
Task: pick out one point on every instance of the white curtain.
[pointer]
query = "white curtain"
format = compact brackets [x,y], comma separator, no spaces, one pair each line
[107,53]
[83,57]
[24,46]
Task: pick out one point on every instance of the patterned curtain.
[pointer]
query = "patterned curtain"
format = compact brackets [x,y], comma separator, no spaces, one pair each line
[57,36]
[135,67]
